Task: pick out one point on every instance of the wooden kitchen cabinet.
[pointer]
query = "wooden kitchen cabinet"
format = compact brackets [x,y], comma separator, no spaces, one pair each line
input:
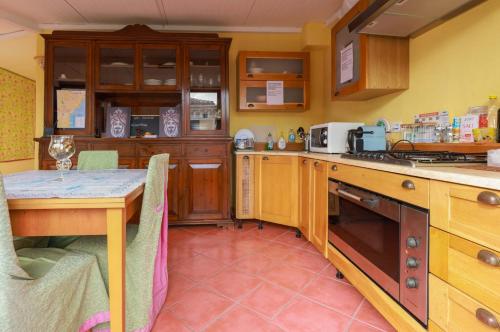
[276,186]
[319,205]
[245,186]
[452,310]
[255,68]
[305,208]
[380,63]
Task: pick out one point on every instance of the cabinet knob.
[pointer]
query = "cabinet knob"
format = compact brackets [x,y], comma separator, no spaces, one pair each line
[334,168]
[488,197]
[488,257]
[304,161]
[316,163]
[408,184]
[246,157]
[487,318]
[265,158]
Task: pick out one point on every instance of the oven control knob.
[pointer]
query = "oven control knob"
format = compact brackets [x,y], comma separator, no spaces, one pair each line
[412,262]
[411,282]
[412,242]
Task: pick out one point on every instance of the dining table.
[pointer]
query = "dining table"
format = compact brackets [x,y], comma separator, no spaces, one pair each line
[99,202]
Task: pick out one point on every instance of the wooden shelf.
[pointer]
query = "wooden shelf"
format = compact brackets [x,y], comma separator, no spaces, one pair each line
[452,147]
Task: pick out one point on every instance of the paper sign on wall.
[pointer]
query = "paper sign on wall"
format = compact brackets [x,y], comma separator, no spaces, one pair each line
[346,64]
[274,92]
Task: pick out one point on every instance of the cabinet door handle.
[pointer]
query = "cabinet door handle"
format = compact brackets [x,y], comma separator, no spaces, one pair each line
[334,168]
[316,163]
[304,161]
[249,75]
[300,105]
[251,105]
[408,184]
[246,157]
[488,257]
[265,158]
[300,76]
[487,318]
[488,197]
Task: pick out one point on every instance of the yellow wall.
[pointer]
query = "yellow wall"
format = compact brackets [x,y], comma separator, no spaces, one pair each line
[16,55]
[454,66]
[274,42]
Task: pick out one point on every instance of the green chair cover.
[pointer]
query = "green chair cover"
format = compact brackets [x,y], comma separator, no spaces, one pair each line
[59,290]
[142,246]
[95,160]
[87,161]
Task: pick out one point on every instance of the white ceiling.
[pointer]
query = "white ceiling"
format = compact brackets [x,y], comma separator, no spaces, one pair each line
[207,15]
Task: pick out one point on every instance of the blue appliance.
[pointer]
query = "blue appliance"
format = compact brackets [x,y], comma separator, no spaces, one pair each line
[366,138]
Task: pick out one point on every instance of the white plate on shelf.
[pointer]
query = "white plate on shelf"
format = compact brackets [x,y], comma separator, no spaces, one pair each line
[152,81]
[170,81]
[168,64]
[119,64]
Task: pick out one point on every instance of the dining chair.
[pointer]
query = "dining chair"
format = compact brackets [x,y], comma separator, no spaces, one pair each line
[87,161]
[47,289]
[96,160]
[146,251]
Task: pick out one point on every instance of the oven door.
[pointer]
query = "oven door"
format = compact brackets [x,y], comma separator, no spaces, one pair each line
[365,228]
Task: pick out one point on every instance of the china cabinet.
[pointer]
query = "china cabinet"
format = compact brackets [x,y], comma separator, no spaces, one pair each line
[256,69]
[175,85]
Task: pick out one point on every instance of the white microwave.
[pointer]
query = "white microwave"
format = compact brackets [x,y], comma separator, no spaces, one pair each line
[331,137]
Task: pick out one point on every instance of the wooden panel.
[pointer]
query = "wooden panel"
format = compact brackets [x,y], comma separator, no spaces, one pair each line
[453,258]
[152,149]
[195,150]
[390,309]
[305,197]
[124,149]
[455,208]
[206,191]
[245,186]
[127,163]
[276,198]
[389,184]
[173,194]
[319,194]
[58,222]
[452,310]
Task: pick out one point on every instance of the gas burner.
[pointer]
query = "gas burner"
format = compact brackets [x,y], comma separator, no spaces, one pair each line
[414,158]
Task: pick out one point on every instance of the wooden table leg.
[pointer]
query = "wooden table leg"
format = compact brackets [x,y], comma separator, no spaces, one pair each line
[116,234]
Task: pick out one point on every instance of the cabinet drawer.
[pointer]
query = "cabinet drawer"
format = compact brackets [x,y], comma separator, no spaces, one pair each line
[403,187]
[127,163]
[124,150]
[467,266]
[195,150]
[152,149]
[458,209]
[453,310]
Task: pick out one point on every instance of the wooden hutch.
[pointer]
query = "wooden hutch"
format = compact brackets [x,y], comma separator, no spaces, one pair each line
[143,69]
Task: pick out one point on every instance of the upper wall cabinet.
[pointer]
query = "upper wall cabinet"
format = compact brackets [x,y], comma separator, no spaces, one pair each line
[366,66]
[256,69]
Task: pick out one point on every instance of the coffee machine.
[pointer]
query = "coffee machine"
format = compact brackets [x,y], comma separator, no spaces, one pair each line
[366,138]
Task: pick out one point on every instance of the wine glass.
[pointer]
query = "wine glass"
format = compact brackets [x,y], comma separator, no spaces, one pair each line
[61,148]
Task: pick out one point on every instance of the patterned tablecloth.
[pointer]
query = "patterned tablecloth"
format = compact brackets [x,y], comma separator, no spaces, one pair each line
[76,184]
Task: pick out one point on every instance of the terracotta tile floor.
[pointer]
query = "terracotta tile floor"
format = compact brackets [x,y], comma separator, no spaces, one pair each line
[257,280]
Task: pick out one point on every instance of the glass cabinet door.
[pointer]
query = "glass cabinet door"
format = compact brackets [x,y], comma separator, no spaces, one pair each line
[68,97]
[116,67]
[274,66]
[253,96]
[159,70]
[206,103]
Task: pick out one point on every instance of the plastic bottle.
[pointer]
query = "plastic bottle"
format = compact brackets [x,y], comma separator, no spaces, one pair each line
[291,136]
[281,142]
[269,142]
[492,118]
[455,129]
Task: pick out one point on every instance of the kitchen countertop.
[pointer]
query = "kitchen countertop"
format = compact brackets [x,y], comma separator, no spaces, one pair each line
[471,177]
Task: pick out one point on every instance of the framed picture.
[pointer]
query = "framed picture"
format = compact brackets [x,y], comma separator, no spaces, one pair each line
[118,122]
[70,108]
[170,121]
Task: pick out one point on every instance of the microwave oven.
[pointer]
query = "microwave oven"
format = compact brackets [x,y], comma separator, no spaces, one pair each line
[331,137]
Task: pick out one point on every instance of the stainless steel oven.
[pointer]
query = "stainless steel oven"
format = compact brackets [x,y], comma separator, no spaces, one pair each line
[385,238]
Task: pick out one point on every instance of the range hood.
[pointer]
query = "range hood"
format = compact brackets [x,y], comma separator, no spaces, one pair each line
[407,18]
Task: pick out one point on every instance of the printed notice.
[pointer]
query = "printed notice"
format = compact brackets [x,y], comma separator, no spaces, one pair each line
[275,92]
[346,64]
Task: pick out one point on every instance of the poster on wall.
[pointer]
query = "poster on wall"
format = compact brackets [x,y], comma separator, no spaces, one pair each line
[17,116]
[71,108]
[118,122]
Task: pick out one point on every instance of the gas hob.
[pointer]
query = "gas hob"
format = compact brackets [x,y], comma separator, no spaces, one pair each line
[416,158]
